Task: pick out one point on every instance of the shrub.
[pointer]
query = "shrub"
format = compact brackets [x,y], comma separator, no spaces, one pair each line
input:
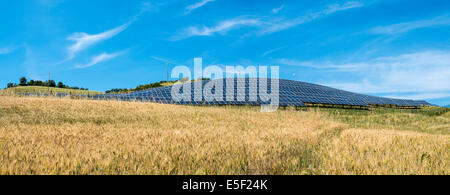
[51,83]
[23,81]
[61,85]
[9,85]
[30,83]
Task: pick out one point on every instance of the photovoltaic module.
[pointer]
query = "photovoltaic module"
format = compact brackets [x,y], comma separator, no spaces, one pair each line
[245,92]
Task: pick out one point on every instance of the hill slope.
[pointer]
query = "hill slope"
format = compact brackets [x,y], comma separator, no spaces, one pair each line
[46,90]
[108,137]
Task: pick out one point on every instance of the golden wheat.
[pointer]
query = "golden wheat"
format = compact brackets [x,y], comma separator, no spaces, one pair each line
[64,136]
[359,151]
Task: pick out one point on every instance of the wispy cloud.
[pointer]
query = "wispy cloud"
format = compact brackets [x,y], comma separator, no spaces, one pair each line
[279,25]
[421,96]
[408,26]
[160,59]
[425,73]
[271,51]
[263,25]
[322,65]
[220,28]
[167,60]
[99,59]
[84,40]
[7,50]
[337,7]
[197,5]
[277,9]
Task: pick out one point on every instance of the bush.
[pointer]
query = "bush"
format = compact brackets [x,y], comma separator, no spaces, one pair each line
[30,83]
[39,83]
[9,85]
[23,81]
[115,90]
[51,83]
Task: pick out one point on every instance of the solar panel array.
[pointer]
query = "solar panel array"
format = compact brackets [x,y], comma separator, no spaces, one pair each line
[291,93]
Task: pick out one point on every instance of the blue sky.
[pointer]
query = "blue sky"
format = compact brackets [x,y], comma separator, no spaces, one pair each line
[390,48]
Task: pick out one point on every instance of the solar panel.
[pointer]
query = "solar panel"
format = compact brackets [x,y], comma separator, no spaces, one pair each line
[291,93]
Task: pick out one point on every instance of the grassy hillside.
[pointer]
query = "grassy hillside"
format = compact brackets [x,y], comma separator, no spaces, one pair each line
[66,136]
[45,90]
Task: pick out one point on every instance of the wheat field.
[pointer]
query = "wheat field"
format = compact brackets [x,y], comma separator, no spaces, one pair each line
[65,136]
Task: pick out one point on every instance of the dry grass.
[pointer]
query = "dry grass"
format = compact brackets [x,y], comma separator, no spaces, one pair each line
[359,151]
[64,136]
[46,90]
[423,120]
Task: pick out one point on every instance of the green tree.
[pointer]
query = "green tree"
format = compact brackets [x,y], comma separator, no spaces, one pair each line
[9,85]
[60,85]
[23,81]
[39,83]
[51,83]
[30,83]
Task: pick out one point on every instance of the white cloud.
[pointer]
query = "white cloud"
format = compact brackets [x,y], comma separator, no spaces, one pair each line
[7,50]
[263,25]
[84,40]
[408,26]
[421,96]
[271,51]
[165,60]
[160,59]
[279,25]
[336,7]
[426,73]
[197,5]
[277,9]
[322,65]
[98,59]
[220,28]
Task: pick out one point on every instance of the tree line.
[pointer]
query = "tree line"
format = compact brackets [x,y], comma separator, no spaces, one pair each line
[50,83]
[151,85]
[138,88]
